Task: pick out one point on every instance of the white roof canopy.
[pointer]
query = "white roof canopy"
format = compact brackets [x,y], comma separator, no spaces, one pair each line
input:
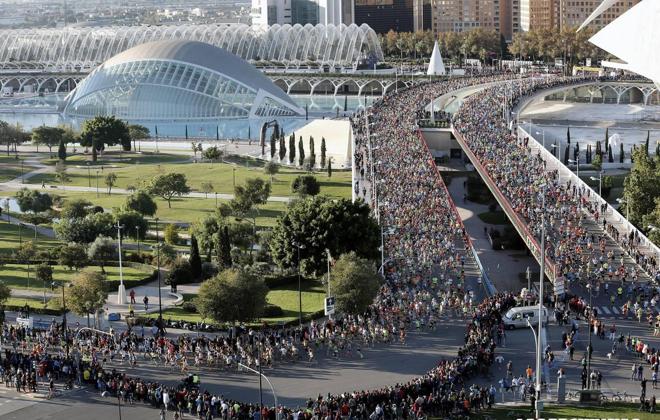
[436,66]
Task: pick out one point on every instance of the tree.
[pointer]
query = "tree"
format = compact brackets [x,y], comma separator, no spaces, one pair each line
[292,149]
[75,208]
[138,132]
[610,157]
[621,153]
[282,148]
[312,154]
[607,138]
[597,162]
[180,273]
[48,136]
[195,259]
[101,131]
[25,254]
[102,250]
[305,185]
[254,193]
[323,150]
[319,223]
[5,293]
[223,247]
[166,251]
[73,256]
[33,200]
[212,153]
[196,147]
[110,181]
[84,229]
[61,172]
[648,139]
[171,234]
[61,151]
[567,153]
[135,225]
[86,293]
[142,202]
[355,283]
[44,274]
[301,152]
[330,168]
[168,185]
[271,168]
[568,135]
[232,296]
[576,153]
[273,144]
[641,186]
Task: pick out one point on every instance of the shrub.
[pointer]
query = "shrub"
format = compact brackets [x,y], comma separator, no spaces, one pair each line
[180,273]
[209,270]
[189,307]
[272,311]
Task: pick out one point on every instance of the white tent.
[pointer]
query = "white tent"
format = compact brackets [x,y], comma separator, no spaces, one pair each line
[436,66]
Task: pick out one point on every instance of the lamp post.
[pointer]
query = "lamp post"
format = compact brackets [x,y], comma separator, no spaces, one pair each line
[22,179]
[97,183]
[137,236]
[216,199]
[542,132]
[121,293]
[600,182]
[64,328]
[589,346]
[298,245]
[20,234]
[233,170]
[89,175]
[540,326]
[577,166]
[160,305]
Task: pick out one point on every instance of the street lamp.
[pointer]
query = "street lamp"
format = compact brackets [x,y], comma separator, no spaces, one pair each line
[299,246]
[64,328]
[233,169]
[89,175]
[97,183]
[121,293]
[160,305]
[540,326]
[22,179]
[543,134]
[137,236]
[589,346]
[600,182]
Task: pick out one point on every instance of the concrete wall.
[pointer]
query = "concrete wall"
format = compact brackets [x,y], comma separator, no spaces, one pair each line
[440,141]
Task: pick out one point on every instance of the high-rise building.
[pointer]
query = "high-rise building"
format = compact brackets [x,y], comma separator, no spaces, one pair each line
[539,14]
[573,12]
[397,15]
[271,12]
[509,18]
[465,15]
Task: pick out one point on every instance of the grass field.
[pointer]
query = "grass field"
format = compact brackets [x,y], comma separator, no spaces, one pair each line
[10,238]
[610,411]
[10,168]
[184,209]
[34,302]
[286,297]
[15,275]
[143,168]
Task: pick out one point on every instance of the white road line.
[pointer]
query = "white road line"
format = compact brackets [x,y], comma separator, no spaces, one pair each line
[615,310]
[604,310]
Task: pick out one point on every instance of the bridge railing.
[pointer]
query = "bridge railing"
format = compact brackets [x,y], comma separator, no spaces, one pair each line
[612,215]
[517,221]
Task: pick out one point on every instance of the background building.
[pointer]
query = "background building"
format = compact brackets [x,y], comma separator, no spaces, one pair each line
[170,80]
[396,15]
[573,12]
[465,15]
[539,14]
[282,12]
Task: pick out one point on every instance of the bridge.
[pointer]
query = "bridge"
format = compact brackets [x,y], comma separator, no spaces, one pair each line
[614,92]
[36,81]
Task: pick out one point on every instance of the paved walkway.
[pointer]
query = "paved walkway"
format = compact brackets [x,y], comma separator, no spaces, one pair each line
[503,266]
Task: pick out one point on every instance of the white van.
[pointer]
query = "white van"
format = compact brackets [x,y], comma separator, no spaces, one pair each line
[517,317]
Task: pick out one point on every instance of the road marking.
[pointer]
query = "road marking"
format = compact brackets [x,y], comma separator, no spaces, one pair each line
[615,310]
[605,310]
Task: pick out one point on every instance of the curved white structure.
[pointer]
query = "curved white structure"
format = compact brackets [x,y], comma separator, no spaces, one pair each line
[85,48]
[178,80]
[436,66]
[634,37]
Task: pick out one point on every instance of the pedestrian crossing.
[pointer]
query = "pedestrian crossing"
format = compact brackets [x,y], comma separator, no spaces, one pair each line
[617,312]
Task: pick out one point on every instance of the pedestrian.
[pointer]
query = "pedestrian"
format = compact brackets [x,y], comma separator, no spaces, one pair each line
[634,372]
[132,295]
[642,387]
[162,414]
[146,303]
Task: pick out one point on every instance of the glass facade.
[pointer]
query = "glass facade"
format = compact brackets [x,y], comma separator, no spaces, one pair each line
[168,90]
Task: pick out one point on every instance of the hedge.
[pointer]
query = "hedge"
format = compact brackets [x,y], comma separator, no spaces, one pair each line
[278,281]
[111,286]
[42,311]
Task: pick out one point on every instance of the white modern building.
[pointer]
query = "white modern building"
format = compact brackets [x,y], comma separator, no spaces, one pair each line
[178,80]
[282,12]
[634,38]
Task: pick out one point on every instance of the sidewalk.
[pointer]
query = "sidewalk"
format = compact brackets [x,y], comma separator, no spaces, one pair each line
[502,266]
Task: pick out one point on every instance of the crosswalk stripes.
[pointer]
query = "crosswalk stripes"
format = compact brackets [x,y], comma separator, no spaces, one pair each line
[615,310]
[604,310]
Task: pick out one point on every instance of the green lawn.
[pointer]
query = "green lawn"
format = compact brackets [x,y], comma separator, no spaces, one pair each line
[184,209]
[15,275]
[221,175]
[615,410]
[114,158]
[10,237]
[494,217]
[286,297]
[10,168]
[34,302]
